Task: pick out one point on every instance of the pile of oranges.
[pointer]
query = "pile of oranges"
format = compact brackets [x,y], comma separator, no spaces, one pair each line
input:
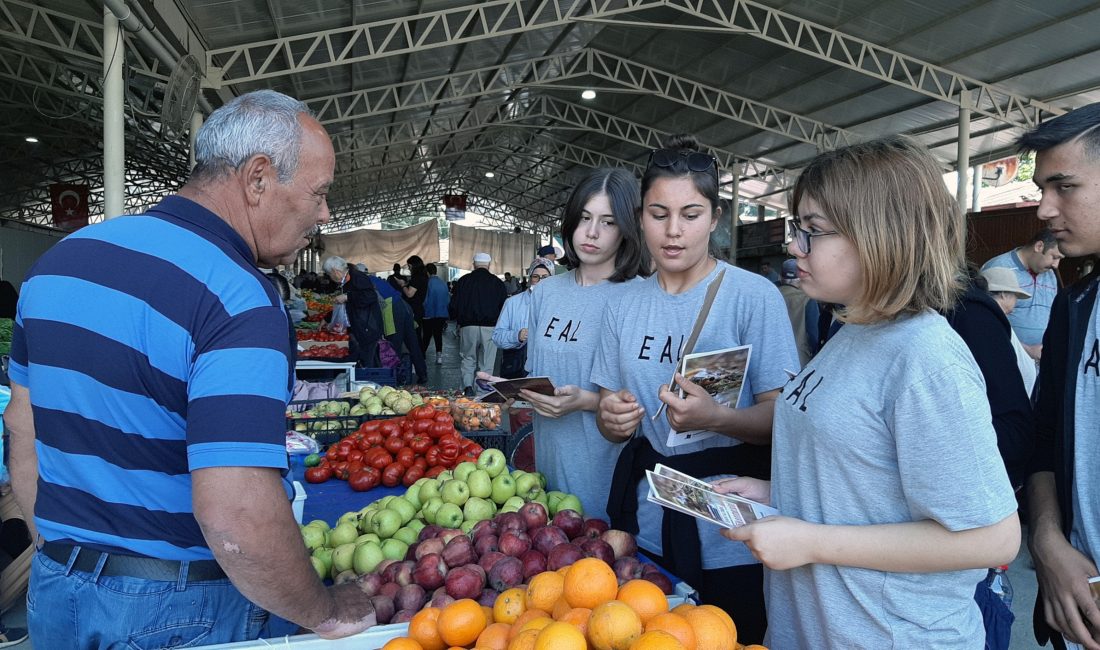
[579,607]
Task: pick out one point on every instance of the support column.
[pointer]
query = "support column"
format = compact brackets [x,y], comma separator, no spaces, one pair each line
[196,124]
[735,189]
[976,182]
[962,193]
[114,127]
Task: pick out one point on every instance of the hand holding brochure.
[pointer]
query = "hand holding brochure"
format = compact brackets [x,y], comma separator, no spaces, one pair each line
[508,389]
[722,374]
[689,495]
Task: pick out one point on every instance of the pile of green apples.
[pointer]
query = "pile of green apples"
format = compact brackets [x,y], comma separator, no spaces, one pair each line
[460,498]
[387,400]
[327,409]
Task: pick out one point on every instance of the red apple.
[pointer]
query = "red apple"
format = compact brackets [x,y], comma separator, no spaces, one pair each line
[489,559]
[514,543]
[430,571]
[382,566]
[404,574]
[563,555]
[428,546]
[410,597]
[487,542]
[483,527]
[546,538]
[594,528]
[488,597]
[383,608]
[599,549]
[510,521]
[370,583]
[534,563]
[403,616]
[464,582]
[621,542]
[534,514]
[441,600]
[627,568]
[428,532]
[447,534]
[662,581]
[345,577]
[459,552]
[389,589]
[570,522]
[506,573]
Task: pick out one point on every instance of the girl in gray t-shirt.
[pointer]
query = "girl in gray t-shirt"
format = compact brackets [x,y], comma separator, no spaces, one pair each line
[885,467]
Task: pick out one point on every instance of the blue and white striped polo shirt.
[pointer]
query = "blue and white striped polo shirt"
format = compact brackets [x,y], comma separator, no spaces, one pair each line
[151,346]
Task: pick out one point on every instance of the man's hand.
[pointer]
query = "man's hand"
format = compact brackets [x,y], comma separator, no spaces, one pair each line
[753,489]
[1063,574]
[523,335]
[619,414]
[695,410]
[778,542]
[352,612]
[566,400]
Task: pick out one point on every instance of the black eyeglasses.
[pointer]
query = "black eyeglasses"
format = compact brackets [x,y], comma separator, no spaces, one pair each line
[535,277]
[804,237]
[696,161]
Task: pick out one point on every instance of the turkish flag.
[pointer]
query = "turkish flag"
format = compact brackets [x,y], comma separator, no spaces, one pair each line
[70,206]
[455,206]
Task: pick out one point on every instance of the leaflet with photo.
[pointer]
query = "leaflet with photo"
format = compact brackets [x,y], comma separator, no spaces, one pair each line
[722,374]
[698,499]
[510,388]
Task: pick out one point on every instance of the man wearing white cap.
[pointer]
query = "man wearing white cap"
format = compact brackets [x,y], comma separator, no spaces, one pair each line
[478,298]
[1005,289]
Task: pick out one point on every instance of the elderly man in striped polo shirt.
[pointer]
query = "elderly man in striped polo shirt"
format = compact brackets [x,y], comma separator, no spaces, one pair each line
[151,365]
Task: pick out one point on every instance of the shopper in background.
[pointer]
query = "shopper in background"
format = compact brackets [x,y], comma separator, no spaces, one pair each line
[403,339]
[1002,285]
[435,313]
[511,331]
[893,498]
[644,328]
[416,291]
[478,298]
[801,311]
[148,409]
[511,284]
[364,309]
[1034,264]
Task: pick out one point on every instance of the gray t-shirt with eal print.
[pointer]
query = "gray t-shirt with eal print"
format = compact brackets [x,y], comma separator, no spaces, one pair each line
[644,331]
[1085,535]
[563,333]
[889,423]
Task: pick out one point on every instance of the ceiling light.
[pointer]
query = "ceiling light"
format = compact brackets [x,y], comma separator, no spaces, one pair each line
[489,174]
[31,139]
[588,94]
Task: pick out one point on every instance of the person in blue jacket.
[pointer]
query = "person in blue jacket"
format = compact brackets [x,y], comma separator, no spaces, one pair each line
[510,333]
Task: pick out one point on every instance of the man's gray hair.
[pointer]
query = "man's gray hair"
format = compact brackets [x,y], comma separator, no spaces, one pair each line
[334,263]
[260,122]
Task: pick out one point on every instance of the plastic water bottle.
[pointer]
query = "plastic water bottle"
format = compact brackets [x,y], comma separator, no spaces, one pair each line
[999,584]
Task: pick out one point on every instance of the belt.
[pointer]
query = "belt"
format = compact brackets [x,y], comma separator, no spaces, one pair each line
[133,566]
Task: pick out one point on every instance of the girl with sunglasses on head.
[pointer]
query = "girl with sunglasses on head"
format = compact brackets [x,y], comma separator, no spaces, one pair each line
[604,252]
[645,328]
[894,500]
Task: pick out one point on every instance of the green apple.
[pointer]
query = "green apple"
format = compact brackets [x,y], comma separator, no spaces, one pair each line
[540,497]
[313,537]
[456,492]
[384,501]
[504,488]
[429,489]
[480,483]
[324,554]
[386,523]
[492,461]
[552,498]
[444,476]
[417,526]
[412,495]
[467,526]
[477,509]
[394,549]
[320,523]
[405,534]
[462,470]
[344,533]
[367,537]
[570,502]
[367,557]
[404,508]
[513,504]
[349,518]
[527,486]
[516,473]
[430,509]
[542,479]
[449,515]
[366,522]
[342,557]
[319,567]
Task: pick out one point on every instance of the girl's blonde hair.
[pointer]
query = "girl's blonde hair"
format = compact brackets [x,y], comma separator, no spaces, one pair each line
[889,199]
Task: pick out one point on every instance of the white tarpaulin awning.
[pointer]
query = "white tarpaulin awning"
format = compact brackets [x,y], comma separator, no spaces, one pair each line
[381,249]
[511,252]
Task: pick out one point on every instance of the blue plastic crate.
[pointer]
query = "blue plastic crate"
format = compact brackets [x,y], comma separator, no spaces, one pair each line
[380,376]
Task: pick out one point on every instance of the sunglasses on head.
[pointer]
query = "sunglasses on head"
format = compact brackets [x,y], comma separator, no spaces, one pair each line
[694,160]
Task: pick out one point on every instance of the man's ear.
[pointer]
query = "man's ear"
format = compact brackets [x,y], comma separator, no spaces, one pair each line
[255,174]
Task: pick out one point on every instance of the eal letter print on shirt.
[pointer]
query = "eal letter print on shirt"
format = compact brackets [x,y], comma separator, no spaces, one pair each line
[801,394]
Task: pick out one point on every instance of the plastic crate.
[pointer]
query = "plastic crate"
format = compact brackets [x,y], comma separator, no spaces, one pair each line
[324,429]
[380,376]
[491,439]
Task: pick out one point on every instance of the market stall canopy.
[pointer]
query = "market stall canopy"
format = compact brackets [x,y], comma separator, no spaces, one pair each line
[511,252]
[381,249]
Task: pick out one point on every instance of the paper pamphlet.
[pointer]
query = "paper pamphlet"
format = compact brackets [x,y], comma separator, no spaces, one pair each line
[689,495]
[503,390]
[722,374]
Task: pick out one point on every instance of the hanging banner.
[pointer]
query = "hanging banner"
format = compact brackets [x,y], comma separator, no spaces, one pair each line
[70,206]
[380,249]
[511,252]
[454,206]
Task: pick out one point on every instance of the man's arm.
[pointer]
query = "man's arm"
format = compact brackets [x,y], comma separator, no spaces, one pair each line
[247,522]
[23,459]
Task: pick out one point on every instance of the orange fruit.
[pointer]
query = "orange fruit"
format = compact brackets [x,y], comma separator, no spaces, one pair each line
[682,607]
[523,618]
[564,570]
[488,613]
[722,614]
[560,636]
[578,618]
[509,605]
[544,590]
[536,624]
[711,632]
[756,646]
[590,583]
[424,629]
[461,622]
[644,597]
[494,637]
[561,608]
[674,624]
[401,643]
[524,641]
[657,640]
[613,626]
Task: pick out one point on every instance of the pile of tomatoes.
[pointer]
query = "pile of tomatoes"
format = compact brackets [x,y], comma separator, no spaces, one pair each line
[397,451]
[330,351]
[320,335]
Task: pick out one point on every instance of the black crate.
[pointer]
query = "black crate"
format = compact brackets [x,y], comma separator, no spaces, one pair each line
[325,430]
[491,438]
[380,376]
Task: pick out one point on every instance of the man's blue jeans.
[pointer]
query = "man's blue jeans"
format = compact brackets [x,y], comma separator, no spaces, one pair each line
[73,609]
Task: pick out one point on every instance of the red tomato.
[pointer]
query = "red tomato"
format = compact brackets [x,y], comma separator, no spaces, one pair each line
[444,417]
[354,466]
[405,456]
[389,428]
[370,426]
[380,460]
[393,444]
[440,429]
[412,476]
[422,413]
[361,481]
[420,462]
[355,455]
[374,438]
[423,426]
[340,470]
[392,475]
[318,474]
[434,471]
[420,444]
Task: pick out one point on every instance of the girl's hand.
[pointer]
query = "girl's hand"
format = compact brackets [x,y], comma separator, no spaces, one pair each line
[693,411]
[566,400]
[620,414]
[753,489]
[778,542]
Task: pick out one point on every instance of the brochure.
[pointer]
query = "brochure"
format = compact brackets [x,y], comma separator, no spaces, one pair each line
[502,390]
[689,495]
[722,374]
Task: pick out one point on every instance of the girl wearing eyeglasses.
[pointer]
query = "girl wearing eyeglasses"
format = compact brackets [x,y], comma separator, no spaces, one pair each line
[604,252]
[893,497]
[510,333]
[645,327]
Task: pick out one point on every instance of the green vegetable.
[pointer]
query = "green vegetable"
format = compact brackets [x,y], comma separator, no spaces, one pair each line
[313,460]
